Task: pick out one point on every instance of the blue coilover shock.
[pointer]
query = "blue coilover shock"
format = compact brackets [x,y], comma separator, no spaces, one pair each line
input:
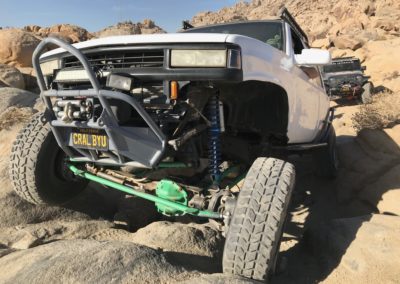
[214,147]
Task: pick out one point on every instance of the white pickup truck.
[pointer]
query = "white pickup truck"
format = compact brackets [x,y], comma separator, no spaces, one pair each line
[193,121]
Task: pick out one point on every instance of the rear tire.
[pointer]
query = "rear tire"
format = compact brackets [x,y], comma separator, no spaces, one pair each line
[37,169]
[325,159]
[255,231]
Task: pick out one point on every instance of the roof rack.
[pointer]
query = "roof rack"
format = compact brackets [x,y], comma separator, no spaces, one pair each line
[287,17]
[186,25]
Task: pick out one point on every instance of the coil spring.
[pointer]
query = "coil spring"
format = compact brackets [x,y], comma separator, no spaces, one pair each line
[214,147]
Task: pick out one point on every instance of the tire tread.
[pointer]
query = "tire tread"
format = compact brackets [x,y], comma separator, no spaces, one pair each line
[257,222]
[24,154]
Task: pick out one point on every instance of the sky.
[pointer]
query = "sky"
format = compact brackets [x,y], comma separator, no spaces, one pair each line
[97,14]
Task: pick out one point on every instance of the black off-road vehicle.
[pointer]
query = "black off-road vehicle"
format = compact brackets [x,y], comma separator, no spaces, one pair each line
[345,79]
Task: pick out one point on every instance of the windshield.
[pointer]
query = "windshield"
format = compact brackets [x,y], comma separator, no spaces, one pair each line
[341,66]
[268,32]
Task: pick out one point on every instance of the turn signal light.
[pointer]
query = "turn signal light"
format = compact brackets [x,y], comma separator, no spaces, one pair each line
[174,90]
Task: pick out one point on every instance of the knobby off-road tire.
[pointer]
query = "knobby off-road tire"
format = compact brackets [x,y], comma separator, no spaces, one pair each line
[37,169]
[255,231]
[326,159]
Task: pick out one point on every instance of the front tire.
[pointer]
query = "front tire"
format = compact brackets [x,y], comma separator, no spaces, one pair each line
[255,231]
[37,169]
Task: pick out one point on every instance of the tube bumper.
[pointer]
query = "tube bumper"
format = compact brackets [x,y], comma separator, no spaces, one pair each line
[142,146]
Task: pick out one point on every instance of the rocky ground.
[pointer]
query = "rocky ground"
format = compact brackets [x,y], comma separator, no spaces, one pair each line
[340,231]
[346,230]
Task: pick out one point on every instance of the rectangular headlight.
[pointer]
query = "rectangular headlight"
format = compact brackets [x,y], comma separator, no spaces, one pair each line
[198,58]
[49,66]
[74,75]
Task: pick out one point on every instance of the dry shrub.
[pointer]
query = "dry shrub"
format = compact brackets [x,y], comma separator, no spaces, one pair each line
[14,115]
[382,112]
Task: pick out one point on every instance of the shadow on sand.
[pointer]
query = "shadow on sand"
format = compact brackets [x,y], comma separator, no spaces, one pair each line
[315,203]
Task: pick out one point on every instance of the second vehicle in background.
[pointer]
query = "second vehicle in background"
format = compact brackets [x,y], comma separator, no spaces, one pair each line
[345,78]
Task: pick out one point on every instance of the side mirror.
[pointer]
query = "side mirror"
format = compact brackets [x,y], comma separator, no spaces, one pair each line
[313,56]
[363,68]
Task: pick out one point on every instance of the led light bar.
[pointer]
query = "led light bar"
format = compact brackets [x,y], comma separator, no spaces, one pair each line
[77,75]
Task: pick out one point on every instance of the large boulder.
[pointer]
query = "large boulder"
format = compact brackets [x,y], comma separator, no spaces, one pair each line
[17,213]
[32,28]
[16,97]
[129,28]
[67,32]
[125,28]
[30,79]
[321,43]
[149,27]
[11,77]
[190,239]
[17,47]
[382,63]
[347,42]
[368,170]
[88,261]
[383,191]
[32,235]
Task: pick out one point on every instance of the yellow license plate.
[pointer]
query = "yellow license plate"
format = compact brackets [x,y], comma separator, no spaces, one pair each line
[89,139]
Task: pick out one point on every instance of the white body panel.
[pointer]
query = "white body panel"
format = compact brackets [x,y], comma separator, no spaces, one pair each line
[308,103]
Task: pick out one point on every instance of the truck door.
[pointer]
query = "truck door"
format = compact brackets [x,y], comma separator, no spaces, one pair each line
[309,92]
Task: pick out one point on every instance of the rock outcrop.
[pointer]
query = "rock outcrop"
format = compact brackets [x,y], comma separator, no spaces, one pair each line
[368,29]
[16,97]
[11,77]
[88,261]
[185,238]
[17,47]
[29,75]
[318,18]
[67,32]
[129,28]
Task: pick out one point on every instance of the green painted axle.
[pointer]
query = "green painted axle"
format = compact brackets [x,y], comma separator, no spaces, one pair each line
[179,207]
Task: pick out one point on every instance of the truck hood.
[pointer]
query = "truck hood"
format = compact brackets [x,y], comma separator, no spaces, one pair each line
[145,39]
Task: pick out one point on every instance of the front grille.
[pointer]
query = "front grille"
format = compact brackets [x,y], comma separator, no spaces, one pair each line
[120,59]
